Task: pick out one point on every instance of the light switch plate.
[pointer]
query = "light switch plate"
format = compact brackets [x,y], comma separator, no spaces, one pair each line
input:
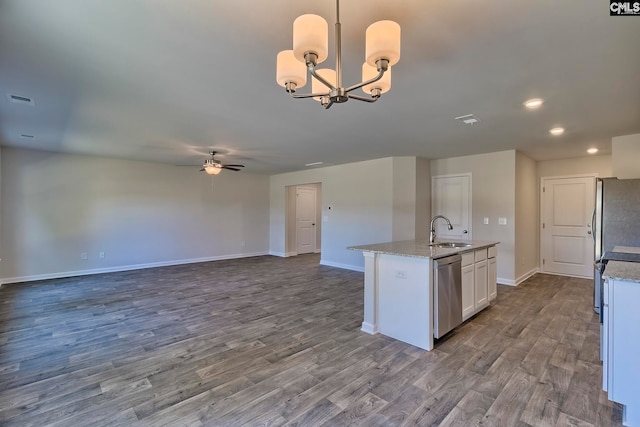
[486,220]
[502,220]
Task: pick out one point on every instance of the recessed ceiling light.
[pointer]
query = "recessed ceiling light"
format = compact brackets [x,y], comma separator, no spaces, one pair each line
[556,131]
[534,103]
[592,150]
[314,164]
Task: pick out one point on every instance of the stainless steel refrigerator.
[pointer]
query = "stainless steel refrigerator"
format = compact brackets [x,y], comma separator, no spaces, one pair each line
[616,223]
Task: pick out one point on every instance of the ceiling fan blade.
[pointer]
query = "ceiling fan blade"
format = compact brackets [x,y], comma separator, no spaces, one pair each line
[230,168]
[234,166]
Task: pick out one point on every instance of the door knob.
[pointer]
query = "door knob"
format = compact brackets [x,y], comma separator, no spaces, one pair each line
[464,231]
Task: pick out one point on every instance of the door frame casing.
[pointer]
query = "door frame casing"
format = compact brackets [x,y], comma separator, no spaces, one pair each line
[541,214]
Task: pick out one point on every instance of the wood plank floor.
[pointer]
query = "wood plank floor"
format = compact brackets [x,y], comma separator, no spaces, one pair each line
[271,341]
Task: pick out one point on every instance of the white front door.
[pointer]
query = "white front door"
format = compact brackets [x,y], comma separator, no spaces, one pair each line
[305,220]
[566,243]
[451,197]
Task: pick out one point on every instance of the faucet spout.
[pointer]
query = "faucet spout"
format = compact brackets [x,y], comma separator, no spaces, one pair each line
[432,231]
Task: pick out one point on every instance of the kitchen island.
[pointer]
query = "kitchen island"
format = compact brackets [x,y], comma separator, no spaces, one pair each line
[399,286]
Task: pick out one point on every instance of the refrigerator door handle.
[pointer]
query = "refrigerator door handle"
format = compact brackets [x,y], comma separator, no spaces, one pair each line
[593,225]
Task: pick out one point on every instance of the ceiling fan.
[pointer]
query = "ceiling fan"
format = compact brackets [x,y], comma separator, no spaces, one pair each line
[214,167]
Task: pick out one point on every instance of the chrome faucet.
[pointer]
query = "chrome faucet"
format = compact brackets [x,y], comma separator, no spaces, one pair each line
[432,232]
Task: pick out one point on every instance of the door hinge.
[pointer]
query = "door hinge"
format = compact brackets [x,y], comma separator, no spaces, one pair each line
[543,225]
[543,261]
[544,189]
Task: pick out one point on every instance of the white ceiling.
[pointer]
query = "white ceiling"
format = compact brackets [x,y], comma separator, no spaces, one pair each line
[166,80]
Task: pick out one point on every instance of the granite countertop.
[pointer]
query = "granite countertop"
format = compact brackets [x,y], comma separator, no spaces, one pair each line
[421,248]
[620,270]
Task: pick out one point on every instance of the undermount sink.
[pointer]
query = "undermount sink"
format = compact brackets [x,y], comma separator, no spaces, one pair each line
[450,245]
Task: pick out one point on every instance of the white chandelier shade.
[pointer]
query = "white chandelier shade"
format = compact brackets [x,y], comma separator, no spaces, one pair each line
[289,69]
[310,34]
[383,41]
[310,48]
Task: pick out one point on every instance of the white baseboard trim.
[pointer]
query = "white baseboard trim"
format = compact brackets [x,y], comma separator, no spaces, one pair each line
[369,328]
[508,282]
[526,275]
[317,251]
[566,275]
[511,282]
[279,254]
[343,266]
[63,274]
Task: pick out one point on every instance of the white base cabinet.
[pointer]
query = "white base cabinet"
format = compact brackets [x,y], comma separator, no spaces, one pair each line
[478,280]
[492,277]
[468,288]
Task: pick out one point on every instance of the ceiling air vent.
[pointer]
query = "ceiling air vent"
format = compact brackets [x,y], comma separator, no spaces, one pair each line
[469,119]
[21,99]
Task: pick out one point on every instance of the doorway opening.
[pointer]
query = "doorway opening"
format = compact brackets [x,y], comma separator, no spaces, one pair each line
[303,226]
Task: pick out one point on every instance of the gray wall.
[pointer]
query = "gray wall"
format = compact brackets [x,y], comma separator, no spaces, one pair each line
[56,206]
[361,201]
[527,232]
[371,202]
[599,165]
[493,196]
[625,151]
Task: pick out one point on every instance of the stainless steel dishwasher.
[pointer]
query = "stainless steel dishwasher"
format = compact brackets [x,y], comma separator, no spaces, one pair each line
[447,288]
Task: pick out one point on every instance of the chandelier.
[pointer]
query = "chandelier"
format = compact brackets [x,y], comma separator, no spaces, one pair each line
[310,48]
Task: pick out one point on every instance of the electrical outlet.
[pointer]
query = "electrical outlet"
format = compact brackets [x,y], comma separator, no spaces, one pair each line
[84,255]
[401,274]
[101,254]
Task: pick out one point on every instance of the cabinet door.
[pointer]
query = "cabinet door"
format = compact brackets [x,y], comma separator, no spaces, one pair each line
[492,277]
[468,293]
[481,284]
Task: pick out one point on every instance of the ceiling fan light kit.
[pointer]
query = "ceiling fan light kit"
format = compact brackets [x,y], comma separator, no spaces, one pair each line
[213,166]
[310,48]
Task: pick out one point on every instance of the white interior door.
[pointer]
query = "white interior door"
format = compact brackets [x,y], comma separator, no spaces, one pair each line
[305,220]
[451,197]
[566,243]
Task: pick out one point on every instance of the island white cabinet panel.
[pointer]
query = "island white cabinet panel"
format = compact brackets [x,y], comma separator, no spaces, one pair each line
[468,291]
[621,370]
[480,255]
[479,277]
[404,299]
[492,277]
[482,295]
